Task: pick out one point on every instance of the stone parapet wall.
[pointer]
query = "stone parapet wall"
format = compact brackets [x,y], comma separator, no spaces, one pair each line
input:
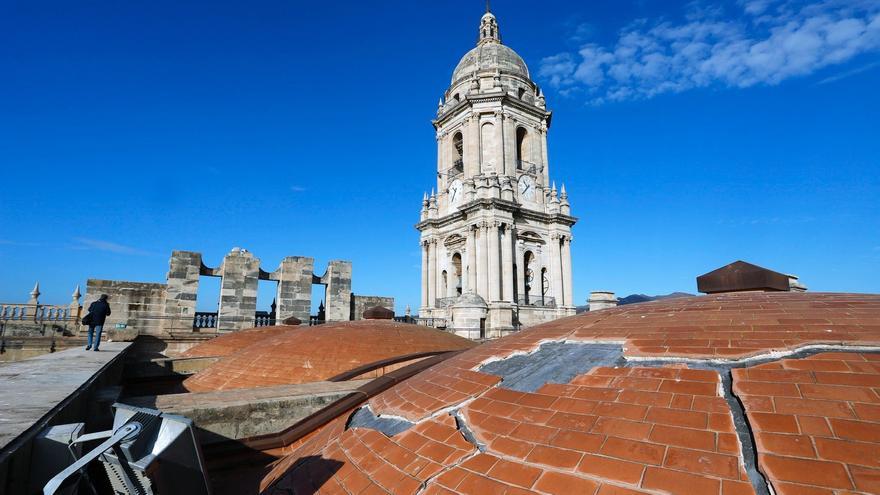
[137,305]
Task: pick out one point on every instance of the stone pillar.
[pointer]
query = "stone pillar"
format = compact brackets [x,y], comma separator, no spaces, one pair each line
[556,270]
[425,276]
[483,261]
[294,293]
[509,145]
[441,178]
[471,273]
[184,269]
[439,293]
[507,263]
[567,286]
[432,272]
[542,138]
[520,270]
[501,166]
[494,263]
[338,281]
[238,291]
[471,136]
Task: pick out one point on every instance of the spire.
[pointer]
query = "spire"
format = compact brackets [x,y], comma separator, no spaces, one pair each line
[76,293]
[488,10]
[489,28]
[35,294]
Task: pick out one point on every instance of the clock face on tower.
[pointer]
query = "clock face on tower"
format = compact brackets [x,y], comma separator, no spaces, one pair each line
[455,192]
[526,188]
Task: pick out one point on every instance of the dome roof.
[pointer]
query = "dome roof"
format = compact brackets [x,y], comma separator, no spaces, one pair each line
[229,343]
[308,354]
[551,410]
[491,56]
[470,300]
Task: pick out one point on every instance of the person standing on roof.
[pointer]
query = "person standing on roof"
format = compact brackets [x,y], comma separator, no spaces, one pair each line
[98,313]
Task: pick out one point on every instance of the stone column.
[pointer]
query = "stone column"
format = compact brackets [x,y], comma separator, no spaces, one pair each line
[471,136]
[556,270]
[238,291]
[438,271]
[432,272]
[542,137]
[425,277]
[567,289]
[483,262]
[494,263]
[294,293]
[509,145]
[182,278]
[520,269]
[507,263]
[471,274]
[338,281]
[501,166]
[441,164]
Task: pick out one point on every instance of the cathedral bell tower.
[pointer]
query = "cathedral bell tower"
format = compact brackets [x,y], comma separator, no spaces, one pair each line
[496,234]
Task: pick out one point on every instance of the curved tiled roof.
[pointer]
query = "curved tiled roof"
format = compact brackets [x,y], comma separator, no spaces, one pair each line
[307,354]
[226,344]
[694,383]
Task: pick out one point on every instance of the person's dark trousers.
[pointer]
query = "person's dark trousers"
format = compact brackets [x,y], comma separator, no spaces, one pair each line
[94,331]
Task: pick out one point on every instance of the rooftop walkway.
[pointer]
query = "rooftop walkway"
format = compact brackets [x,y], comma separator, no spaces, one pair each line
[34,390]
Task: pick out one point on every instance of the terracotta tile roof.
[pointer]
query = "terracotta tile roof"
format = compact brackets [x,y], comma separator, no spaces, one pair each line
[307,354]
[816,421]
[226,344]
[652,426]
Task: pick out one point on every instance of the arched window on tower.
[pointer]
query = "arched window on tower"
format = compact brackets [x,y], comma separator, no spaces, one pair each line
[457,154]
[456,275]
[529,275]
[521,148]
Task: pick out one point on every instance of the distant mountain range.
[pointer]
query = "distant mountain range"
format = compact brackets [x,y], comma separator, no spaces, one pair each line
[639,298]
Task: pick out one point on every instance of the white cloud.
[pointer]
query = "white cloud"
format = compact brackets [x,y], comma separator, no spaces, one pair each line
[83,243]
[768,42]
[297,189]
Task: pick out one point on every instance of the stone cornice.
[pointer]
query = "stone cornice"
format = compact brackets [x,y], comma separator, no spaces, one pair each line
[515,209]
[504,98]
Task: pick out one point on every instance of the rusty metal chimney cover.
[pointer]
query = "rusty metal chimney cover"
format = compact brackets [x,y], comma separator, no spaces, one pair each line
[741,276]
[378,313]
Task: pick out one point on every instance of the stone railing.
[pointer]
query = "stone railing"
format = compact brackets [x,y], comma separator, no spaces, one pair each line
[205,320]
[430,322]
[529,168]
[266,320]
[444,302]
[39,313]
[537,301]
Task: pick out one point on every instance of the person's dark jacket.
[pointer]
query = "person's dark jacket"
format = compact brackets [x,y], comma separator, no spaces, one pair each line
[99,310]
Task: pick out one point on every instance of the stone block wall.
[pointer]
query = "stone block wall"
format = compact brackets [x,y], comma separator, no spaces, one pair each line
[294,295]
[359,304]
[138,305]
[183,288]
[338,281]
[238,291]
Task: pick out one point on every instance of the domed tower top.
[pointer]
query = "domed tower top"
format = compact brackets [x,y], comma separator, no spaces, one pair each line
[490,54]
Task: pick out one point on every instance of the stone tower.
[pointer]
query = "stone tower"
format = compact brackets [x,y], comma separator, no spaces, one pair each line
[496,228]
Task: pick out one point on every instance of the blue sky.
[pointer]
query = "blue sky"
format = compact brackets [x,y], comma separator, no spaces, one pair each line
[688,135]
